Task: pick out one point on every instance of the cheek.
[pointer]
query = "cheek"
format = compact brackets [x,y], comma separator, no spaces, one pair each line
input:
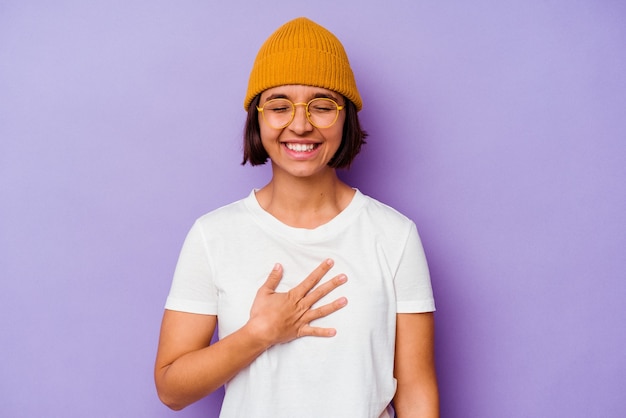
[338,131]
[266,135]
[269,139]
[263,130]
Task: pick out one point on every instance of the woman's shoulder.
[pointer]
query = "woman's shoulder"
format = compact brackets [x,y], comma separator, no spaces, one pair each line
[382,212]
[226,214]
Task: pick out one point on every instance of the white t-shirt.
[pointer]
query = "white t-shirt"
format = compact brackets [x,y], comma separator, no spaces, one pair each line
[228,255]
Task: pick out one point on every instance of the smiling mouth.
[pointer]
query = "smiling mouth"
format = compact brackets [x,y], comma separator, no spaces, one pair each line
[300,147]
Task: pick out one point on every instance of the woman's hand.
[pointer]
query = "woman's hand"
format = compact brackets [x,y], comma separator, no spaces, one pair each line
[416,392]
[187,368]
[281,317]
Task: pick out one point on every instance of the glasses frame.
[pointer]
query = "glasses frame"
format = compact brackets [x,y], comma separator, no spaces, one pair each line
[306,112]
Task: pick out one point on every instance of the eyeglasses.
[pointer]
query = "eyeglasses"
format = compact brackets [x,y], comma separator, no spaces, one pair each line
[320,112]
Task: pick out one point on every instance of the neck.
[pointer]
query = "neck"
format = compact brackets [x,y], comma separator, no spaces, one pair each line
[305,202]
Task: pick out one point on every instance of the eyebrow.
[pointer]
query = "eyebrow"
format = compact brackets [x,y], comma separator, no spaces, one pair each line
[319,95]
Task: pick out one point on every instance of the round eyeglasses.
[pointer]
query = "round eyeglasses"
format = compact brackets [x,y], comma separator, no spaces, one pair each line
[321,112]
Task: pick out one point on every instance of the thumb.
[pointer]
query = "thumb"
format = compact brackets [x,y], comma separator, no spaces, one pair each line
[274,278]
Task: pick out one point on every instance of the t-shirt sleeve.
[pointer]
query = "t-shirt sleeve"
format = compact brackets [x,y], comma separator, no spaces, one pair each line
[192,288]
[414,292]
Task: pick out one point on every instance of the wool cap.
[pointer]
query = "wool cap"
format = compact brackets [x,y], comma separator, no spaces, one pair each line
[302,52]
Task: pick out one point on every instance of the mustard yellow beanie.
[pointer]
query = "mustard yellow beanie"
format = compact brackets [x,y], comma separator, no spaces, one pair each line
[302,52]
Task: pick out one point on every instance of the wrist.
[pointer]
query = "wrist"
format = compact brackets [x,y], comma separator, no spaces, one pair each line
[255,337]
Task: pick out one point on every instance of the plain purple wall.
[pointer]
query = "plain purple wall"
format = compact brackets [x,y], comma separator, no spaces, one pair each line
[499,127]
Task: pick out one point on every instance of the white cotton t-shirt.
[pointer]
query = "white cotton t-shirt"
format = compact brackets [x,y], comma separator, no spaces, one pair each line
[228,255]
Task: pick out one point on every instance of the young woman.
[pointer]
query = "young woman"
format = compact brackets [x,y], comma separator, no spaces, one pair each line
[342,324]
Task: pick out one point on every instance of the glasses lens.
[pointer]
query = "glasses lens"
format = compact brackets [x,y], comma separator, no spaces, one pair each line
[323,112]
[278,112]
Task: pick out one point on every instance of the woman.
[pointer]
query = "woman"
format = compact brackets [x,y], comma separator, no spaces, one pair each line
[290,344]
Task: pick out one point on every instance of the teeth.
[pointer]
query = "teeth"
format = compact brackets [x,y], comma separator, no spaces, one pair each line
[300,147]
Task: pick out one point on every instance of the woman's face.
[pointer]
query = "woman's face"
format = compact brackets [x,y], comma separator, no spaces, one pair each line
[301,149]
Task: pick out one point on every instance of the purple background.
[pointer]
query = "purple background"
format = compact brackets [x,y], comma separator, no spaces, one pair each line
[499,128]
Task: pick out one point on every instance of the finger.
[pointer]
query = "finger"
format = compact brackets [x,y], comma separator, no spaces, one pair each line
[324,310]
[274,278]
[308,330]
[312,279]
[324,289]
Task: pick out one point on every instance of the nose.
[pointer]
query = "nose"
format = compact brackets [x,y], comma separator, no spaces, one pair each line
[300,123]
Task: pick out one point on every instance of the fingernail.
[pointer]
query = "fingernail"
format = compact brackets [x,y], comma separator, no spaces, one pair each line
[276,266]
[343,278]
[329,261]
[343,301]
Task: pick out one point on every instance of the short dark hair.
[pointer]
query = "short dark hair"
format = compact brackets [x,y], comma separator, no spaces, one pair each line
[352,139]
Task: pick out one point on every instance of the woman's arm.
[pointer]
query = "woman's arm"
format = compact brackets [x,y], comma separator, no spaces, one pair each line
[187,368]
[417,394]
